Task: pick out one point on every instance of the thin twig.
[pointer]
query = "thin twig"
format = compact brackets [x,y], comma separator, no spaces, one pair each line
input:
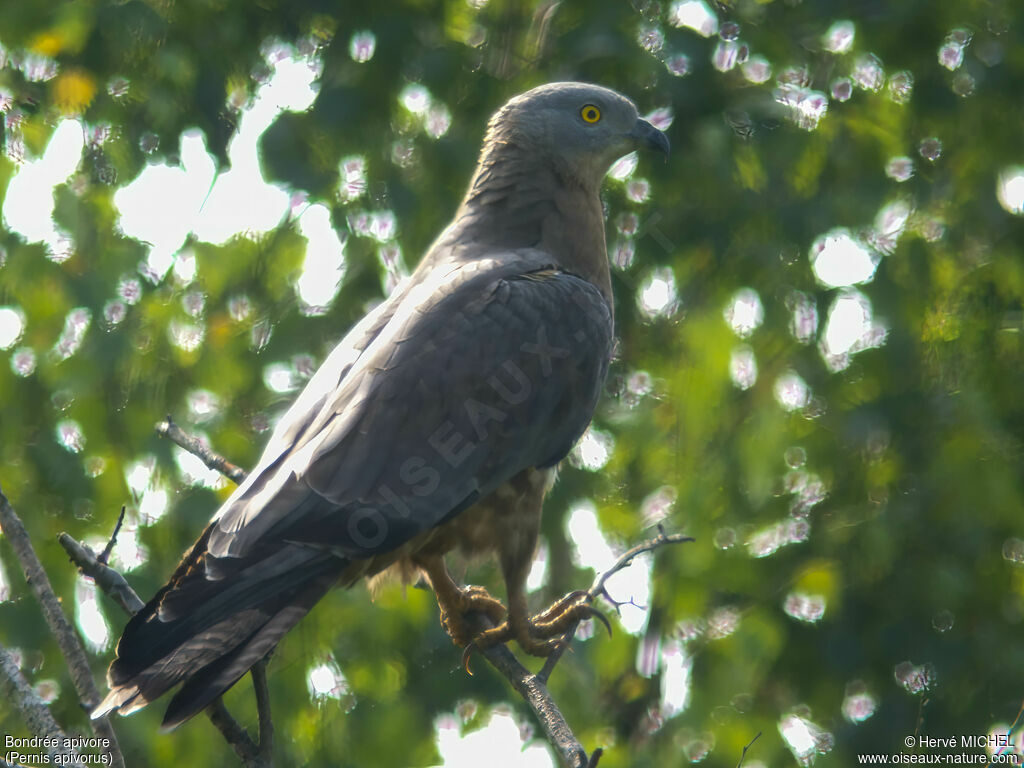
[1016,720]
[112,583]
[743,755]
[195,446]
[234,734]
[597,589]
[14,686]
[104,556]
[67,639]
[259,683]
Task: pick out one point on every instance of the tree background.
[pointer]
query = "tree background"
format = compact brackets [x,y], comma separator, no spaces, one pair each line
[858,571]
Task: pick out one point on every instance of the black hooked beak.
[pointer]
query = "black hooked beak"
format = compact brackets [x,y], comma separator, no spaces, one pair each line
[646,135]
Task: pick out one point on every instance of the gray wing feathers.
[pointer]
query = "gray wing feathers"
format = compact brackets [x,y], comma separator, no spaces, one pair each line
[296,421]
[489,368]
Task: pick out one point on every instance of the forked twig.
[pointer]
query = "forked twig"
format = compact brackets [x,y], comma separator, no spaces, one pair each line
[104,556]
[167,428]
[743,755]
[110,582]
[597,589]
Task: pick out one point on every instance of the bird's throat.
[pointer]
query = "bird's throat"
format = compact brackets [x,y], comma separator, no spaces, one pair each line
[517,201]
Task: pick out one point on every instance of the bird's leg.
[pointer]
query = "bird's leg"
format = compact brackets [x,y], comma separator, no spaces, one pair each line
[517,530]
[455,601]
[541,634]
[518,541]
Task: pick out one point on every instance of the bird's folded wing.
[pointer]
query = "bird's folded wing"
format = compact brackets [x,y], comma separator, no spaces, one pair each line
[490,367]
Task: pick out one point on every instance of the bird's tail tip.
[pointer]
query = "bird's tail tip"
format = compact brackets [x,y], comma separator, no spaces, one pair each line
[123,700]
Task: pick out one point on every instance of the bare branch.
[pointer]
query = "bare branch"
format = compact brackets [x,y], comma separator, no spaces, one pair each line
[14,686]
[1016,721]
[104,556]
[194,445]
[743,755]
[259,683]
[112,583]
[536,694]
[235,735]
[597,589]
[67,639]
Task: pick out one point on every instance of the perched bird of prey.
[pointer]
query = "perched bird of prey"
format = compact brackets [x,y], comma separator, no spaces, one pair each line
[436,424]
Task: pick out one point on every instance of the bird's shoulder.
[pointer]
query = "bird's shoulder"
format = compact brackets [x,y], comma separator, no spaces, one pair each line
[511,287]
[462,272]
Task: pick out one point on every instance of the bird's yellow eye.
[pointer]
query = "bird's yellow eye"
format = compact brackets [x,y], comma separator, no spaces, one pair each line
[590,113]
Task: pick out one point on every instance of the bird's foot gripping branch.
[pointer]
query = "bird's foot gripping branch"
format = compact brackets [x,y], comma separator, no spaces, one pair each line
[544,633]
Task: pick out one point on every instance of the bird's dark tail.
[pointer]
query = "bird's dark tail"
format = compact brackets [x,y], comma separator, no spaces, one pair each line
[214,619]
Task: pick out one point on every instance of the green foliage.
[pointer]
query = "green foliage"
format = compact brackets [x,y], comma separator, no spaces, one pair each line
[899,480]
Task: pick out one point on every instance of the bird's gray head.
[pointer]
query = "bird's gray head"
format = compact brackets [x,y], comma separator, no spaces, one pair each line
[582,127]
